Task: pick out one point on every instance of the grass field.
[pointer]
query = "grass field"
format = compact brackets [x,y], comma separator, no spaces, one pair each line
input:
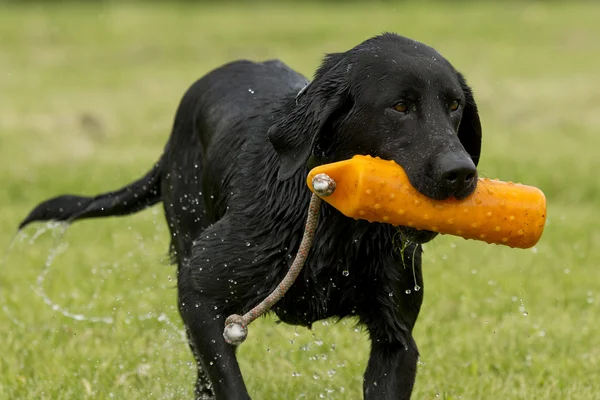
[87,97]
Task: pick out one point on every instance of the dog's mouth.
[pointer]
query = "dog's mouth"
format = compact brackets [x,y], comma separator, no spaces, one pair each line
[414,235]
[435,190]
[422,235]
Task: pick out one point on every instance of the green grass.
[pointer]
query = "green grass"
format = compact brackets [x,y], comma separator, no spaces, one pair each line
[87,97]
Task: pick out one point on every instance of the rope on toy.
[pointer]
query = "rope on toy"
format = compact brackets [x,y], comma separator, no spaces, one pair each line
[236,326]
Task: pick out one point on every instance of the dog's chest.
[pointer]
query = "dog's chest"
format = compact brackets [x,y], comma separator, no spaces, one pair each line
[342,271]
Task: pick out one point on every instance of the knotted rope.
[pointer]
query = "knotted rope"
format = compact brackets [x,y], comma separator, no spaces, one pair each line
[236,326]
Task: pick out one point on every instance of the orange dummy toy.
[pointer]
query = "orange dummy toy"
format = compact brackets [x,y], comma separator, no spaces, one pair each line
[379,191]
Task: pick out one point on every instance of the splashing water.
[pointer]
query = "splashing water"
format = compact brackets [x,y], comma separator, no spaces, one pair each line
[58,229]
[17,238]
[10,316]
[49,226]
[417,287]
[522,308]
[58,247]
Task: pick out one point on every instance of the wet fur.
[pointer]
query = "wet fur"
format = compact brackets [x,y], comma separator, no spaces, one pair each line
[232,182]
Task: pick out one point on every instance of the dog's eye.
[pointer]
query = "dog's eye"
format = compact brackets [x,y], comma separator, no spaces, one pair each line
[401,107]
[454,105]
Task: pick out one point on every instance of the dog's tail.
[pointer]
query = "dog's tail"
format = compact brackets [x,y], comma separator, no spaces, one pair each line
[144,192]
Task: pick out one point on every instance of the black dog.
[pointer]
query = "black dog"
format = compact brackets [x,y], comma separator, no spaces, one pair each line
[232,181]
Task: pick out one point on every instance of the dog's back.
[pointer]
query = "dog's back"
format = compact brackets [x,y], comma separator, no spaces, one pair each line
[208,130]
[220,116]
[236,93]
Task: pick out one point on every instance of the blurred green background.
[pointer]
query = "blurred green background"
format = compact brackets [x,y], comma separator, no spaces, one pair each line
[88,92]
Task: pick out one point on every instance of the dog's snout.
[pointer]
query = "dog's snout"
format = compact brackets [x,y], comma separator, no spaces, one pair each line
[458,176]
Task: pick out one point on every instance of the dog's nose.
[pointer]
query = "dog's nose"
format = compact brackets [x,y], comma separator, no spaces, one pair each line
[458,176]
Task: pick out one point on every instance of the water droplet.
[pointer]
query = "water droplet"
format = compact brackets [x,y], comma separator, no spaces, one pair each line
[345,272]
[247,244]
[391,294]
[417,288]
[407,291]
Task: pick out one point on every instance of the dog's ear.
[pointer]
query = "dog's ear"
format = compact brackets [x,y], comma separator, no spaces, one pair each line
[299,123]
[469,130]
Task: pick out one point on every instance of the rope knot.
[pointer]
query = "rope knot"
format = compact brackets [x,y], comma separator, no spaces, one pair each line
[236,330]
[323,185]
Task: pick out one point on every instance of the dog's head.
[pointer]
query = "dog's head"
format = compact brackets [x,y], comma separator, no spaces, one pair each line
[393,98]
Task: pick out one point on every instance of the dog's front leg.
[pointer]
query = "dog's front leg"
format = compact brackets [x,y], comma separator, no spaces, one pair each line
[390,315]
[391,370]
[204,323]
[208,287]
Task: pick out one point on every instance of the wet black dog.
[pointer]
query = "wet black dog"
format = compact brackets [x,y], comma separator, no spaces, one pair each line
[232,181]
